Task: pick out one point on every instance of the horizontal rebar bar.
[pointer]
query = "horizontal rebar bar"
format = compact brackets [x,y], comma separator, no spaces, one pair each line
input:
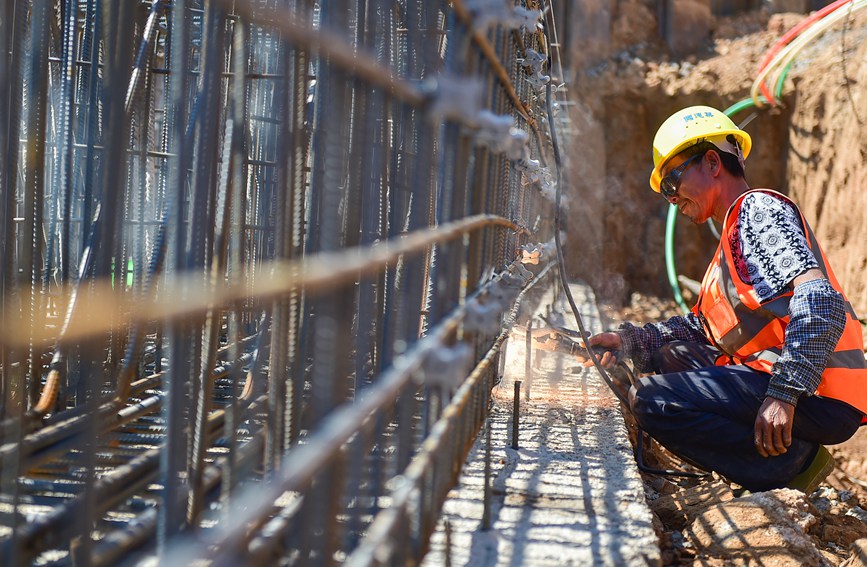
[318,274]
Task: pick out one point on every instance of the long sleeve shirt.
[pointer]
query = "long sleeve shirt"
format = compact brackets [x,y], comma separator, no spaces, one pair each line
[769,249]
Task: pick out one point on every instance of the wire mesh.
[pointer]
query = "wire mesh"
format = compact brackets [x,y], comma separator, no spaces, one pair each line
[259,261]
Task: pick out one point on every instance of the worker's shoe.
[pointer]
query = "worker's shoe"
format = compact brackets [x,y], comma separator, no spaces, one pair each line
[739,491]
[821,466]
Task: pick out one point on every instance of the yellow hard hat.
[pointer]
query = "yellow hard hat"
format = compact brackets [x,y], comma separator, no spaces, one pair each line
[692,126]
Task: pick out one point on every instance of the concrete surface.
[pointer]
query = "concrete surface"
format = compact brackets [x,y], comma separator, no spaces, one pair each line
[571,493]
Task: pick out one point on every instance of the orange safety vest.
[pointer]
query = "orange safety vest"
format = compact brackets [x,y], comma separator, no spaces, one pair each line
[752,333]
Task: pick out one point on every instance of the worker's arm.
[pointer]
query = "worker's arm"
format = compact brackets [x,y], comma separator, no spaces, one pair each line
[639,343]
[817,317]
[775,256]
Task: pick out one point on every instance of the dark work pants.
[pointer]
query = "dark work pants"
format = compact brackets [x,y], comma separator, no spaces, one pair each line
[706,414]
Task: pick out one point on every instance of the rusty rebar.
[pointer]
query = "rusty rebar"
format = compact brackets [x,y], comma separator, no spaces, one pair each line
[187,296]
[275,231]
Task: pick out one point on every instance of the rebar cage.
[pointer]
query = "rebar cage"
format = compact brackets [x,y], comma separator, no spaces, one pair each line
[259,259]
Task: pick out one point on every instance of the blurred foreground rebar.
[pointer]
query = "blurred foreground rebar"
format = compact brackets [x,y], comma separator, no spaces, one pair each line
[259,259]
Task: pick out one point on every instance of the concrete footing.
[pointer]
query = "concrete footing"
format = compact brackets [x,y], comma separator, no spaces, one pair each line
[570,494]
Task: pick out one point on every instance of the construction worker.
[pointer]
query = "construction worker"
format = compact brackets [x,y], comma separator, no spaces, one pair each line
[769,366]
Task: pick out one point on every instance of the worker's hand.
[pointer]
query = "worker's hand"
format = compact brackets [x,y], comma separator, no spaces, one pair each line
[608,341]
[773,430]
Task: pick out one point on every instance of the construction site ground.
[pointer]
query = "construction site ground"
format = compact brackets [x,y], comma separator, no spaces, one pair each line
[572,494]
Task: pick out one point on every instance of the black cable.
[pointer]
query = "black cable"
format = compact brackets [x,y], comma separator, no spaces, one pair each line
[561,262]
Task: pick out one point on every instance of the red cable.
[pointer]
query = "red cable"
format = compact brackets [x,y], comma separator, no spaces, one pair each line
[792,34]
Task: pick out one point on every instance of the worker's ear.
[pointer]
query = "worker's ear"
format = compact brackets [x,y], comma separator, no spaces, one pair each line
[714,161]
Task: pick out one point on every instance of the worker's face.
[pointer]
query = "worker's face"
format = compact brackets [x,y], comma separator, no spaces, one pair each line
[683,185]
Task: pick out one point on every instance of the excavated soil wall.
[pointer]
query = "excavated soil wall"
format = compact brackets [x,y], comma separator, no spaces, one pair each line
[826,164]
[628,79]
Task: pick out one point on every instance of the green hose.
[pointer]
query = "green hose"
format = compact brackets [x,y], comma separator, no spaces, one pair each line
[742,105]
[669,257]
[778,93]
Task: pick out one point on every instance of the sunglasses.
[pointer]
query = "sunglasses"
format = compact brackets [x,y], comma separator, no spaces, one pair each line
[669,184]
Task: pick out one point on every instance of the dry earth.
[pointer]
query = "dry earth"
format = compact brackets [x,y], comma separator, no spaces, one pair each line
[813,147]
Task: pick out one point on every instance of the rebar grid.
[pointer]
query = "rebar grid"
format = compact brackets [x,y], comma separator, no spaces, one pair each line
[259,262]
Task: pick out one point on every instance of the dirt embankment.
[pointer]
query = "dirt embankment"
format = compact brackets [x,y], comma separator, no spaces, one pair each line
[826,165]
[812,148]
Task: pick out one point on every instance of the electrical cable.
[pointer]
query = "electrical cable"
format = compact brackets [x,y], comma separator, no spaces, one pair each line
[51,388]
[789,36]
[561,263]
[781,60]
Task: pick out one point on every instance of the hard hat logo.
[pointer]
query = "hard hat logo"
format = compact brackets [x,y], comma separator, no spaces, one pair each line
[692,126]
[689,117]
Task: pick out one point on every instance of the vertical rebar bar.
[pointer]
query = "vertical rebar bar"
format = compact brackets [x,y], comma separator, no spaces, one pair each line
[486,495]
[516,413]
[171,512]
[235,177]
[215,252]
[32,247]
[63,169]
[301,135]
[13,43]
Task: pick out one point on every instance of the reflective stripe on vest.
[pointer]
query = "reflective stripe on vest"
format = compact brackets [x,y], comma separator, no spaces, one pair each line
[752,333]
